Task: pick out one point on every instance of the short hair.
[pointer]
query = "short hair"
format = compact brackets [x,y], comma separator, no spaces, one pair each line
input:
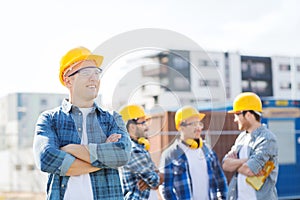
[256,115]
[131,121]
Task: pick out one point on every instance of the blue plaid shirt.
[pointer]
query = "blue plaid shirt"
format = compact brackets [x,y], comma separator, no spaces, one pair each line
[140,167]
[178,184]
[63,125]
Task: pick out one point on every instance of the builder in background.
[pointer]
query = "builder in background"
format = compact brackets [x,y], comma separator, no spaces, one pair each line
[140,175]
[191,169]
[253,148]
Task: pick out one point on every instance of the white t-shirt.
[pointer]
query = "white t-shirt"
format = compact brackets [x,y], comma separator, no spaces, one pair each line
[80,187]
[245,191]
[198,172]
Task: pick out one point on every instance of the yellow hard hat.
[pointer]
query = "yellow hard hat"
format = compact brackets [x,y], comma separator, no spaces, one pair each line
[185,113]
[75,55]
[246,101]
[133,112]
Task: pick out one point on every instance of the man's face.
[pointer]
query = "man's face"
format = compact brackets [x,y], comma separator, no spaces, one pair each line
[192,128]
[241,120]
[141,127]
[85,83]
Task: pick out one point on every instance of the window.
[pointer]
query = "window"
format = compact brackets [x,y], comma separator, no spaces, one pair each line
[216,63]
[284,67]
[285,85]
[44,102]
[245,85]
[258,68]
[208,63]
[203,63]
[30,167]
[244,67]
[180,84]
[254,68]
[210,83]
[259,86]
[180,63]
[18,167]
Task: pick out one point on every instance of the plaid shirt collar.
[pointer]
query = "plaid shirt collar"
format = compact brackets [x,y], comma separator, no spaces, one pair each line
[67,106]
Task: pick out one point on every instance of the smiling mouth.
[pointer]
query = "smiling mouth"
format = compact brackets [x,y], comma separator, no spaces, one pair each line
[91,86]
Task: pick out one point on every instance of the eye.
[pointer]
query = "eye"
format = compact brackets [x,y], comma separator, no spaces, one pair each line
[85,73]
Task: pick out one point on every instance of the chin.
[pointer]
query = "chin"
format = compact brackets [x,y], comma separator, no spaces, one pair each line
[91,96]
[241,128]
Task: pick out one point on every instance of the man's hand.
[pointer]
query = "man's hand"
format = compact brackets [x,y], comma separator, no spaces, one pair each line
[232,163]
[245,170]
[142,185]
[113,138]
[232,154]
[261,173]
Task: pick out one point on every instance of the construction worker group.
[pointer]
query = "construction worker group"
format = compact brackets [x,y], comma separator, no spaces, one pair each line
[90,153]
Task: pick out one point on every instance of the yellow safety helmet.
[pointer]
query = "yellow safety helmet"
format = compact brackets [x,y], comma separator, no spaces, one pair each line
[185,113]
[133,112]
[246,101]
[75,55]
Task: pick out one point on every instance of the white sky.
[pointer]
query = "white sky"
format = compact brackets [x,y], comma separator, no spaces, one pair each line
[35,34]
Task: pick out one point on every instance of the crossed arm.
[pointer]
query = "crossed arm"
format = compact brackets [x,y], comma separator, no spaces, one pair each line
[82,163]
[142,185]
[232,163]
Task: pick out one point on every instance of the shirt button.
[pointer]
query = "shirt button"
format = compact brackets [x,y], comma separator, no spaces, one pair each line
[79,113]
[62,186]
[79,129]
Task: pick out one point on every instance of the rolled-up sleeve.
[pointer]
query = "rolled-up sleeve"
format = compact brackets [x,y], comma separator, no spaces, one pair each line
[265,150]
[47,155]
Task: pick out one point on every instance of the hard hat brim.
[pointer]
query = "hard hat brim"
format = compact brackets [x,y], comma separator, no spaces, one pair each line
[97,58]
[231,111]
[199,115]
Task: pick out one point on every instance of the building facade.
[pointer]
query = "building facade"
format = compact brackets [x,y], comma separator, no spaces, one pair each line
[174,78]
[18,116]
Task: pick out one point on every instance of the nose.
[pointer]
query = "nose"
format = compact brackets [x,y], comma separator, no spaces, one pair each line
[200,128]
[146,128]
[236,118]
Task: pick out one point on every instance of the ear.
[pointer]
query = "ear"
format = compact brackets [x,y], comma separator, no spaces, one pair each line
[131,127]
[181,128]
[249,115]
[68,81]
